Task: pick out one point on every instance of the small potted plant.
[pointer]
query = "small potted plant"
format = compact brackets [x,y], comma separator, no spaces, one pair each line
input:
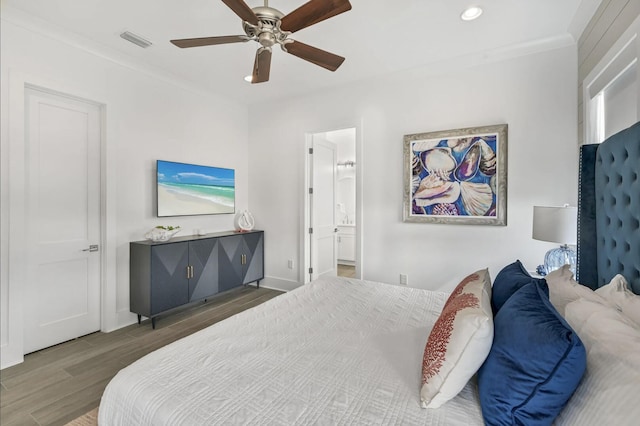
[162,233]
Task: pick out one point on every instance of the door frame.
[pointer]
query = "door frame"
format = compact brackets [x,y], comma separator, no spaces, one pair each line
[93,280]
[305,207]
[14,223]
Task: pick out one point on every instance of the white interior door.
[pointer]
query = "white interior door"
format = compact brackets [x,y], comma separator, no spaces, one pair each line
[62,291]
[323,208]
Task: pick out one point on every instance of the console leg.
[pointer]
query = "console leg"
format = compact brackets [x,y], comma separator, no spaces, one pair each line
[153,323]
[258,283]
[139,318]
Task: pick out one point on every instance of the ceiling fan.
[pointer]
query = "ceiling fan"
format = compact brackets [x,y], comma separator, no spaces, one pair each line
[269,26]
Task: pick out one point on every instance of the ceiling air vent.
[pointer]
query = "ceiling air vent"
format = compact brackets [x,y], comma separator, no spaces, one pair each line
[136,39]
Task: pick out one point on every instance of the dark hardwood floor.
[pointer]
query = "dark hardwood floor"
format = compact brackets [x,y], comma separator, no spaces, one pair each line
[58,384]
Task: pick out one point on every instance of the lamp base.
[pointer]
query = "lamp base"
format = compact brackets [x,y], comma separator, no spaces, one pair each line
[558,257]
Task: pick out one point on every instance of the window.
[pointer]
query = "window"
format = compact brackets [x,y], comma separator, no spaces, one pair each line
[620,101]
[612,89]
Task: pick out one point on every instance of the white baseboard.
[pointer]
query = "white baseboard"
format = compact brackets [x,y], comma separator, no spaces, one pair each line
[279,284]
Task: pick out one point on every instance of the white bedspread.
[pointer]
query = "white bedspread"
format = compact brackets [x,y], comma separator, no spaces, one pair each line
[334,352]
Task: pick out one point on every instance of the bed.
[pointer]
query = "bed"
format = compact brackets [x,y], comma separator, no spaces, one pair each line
[346,351]
[336,351]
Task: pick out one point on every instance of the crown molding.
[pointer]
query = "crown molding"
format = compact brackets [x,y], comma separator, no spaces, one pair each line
[52,31]
[582,17]
[46,29]
[530,47]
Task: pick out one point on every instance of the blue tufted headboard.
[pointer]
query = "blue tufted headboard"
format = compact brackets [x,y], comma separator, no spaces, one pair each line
[609,210]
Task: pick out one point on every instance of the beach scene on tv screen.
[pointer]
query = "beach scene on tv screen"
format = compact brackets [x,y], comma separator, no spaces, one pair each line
[189,189]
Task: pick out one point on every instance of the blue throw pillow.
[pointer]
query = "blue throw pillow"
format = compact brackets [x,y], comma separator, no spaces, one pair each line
[535,364]
[508,281]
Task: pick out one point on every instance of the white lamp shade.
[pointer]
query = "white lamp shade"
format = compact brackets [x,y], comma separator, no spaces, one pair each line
[555,224]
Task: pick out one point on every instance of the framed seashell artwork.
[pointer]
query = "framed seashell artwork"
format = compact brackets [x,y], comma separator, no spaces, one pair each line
[456,176]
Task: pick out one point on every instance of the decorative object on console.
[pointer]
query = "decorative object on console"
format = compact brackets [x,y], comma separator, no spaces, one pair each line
[244,221]
[162,233]
[456,176]
[459,341]
[556,225]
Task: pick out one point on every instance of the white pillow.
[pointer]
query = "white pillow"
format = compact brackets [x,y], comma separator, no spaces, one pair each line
[563,289]
[459,341]
[608,392]
[618,295]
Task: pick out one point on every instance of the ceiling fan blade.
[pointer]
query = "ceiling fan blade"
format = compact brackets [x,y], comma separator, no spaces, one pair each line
[242,10]
[313,12]
[261,66]
[314,55]
[209,41]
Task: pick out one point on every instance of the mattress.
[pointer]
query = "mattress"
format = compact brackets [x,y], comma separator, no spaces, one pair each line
[334,352]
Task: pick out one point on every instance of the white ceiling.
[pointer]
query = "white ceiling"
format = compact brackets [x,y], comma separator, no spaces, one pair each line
[377,37]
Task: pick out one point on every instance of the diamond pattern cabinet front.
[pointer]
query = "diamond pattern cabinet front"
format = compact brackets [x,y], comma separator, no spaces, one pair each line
[253,267]
[169,274]
[203,257]
[157,277]
[241,259]
[169,277]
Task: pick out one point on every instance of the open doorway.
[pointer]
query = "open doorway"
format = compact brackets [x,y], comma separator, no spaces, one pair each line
[331,244]
[345,141]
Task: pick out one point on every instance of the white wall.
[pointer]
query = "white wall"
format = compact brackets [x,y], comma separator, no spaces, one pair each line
[535,95]
[345,140]
[148,116]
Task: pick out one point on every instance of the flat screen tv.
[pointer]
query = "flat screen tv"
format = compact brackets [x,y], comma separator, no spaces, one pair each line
[189,189]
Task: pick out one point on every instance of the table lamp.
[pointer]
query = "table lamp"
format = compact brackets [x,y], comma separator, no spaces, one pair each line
[556,225]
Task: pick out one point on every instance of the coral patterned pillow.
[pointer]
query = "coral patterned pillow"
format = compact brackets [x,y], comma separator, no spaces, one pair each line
[459,341]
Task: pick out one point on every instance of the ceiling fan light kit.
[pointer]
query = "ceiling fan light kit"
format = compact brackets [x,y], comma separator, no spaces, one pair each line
[268,27]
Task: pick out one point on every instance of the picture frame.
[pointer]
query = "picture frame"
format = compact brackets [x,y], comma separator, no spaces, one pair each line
[456,176]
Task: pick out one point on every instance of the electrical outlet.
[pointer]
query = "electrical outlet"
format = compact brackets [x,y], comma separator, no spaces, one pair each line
[290,263]
[404,279]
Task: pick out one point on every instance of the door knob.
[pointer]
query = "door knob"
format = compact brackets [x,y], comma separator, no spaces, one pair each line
[92,248]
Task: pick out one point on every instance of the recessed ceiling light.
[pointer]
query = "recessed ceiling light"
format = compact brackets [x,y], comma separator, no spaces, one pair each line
[471,13]
[248,78]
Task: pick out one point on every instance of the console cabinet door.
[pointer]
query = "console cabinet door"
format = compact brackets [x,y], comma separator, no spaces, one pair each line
[203,259]
[240,259]
[346,247]
[230,262]
[253,250]
[169,282]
